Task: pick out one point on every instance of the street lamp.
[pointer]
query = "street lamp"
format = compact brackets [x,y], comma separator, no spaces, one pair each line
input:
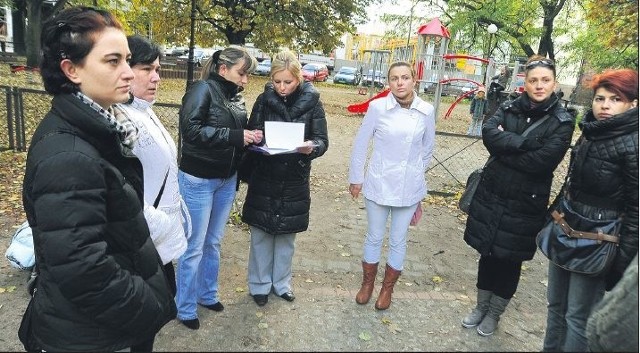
[191,61]
[492,29]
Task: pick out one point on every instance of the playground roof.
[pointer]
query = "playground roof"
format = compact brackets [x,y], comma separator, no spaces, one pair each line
[434,27]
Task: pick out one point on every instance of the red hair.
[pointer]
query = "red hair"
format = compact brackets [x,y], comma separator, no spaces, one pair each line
[623,82]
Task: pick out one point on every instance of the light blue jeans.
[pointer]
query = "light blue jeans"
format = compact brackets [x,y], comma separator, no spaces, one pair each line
[209,202]
[377,216]
[571,297]
[475,129]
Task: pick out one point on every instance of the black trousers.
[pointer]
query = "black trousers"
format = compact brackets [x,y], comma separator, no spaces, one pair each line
[499,276]
[170,274]
[146,346]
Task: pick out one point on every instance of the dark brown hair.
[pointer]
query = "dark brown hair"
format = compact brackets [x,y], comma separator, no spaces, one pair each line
[539,61]
[70,35]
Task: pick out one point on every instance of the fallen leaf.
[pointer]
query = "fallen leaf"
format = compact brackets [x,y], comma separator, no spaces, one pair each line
[345,254]
[308,280]
[263,325]
[365,336]
[386,320]
[259,314]
[239,289]
[394,328]
[436,279]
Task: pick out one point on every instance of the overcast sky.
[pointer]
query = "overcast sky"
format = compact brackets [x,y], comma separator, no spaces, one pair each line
[397,7]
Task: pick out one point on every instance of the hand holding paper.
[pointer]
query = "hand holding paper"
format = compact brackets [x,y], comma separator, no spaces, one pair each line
[284,137]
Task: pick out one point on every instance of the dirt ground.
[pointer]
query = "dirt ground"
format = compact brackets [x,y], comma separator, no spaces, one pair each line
[435,291]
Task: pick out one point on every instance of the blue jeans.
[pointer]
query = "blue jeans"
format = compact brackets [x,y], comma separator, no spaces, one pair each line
[209,202]
[377,216]
[571,297]
[475,129]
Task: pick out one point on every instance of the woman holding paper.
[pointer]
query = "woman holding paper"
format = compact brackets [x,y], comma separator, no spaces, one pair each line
[278,196]
[402,128]
[213,122]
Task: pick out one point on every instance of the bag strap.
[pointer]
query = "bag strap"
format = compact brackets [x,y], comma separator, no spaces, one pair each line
[157,201]
[525,133]
[572,233]
[535,125]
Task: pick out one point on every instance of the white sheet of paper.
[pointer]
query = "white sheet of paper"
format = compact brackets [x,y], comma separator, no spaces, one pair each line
[282,135]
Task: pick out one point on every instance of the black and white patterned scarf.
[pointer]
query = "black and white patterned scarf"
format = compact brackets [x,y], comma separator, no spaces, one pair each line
[117,119]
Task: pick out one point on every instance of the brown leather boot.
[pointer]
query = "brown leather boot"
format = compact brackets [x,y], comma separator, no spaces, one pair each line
[369,272]
[390,278]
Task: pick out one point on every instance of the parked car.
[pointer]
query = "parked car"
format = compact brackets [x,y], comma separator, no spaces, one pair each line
[199,58]
[263,68]
[348,75]
[315,72]
[177,51]
[454,88]
[378,79]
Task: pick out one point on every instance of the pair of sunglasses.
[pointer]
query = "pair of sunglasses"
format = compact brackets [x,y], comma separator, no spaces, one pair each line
[544,62]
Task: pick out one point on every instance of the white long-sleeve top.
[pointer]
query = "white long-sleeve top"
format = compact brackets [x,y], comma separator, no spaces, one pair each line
[157,152]
[403,142]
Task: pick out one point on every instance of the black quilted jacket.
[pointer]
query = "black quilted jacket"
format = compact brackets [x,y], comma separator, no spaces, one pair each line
[604,177]
[101,285]
[510,205]
[278,196]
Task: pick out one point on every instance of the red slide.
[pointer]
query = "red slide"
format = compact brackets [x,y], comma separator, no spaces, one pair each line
[361,108]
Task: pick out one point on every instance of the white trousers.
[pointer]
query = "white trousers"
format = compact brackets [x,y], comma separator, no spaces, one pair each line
[377,216]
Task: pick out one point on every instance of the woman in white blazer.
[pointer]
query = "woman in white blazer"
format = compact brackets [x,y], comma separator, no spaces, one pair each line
[402,127]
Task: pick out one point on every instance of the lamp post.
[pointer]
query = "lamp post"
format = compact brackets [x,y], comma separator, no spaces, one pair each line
[491,29]
[191,62]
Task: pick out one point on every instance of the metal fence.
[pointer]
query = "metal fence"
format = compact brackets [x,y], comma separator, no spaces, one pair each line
[455,156]
[24,107]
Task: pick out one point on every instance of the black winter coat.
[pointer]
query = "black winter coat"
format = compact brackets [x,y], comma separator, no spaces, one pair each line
[510,205]
[213,117]
[278,196]
[101,285]
[603,183]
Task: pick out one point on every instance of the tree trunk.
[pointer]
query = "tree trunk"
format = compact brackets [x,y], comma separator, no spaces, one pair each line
[33,29]
[17,16]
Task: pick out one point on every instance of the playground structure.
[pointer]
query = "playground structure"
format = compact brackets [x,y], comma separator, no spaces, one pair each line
[377,60]
[434,66]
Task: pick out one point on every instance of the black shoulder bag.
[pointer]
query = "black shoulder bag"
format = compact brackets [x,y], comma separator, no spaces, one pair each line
[578,243]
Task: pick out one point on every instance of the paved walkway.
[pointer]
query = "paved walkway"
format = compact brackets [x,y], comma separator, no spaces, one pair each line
[324,317]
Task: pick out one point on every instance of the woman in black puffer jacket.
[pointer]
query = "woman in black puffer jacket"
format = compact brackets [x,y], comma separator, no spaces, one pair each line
[602,184]
[278,197]
[101,286]
[510,204]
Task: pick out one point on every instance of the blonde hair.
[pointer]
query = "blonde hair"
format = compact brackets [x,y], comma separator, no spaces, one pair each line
[286,60]
[229,56]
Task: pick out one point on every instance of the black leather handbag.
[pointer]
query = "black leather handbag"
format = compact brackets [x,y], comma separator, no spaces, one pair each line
[577,243]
